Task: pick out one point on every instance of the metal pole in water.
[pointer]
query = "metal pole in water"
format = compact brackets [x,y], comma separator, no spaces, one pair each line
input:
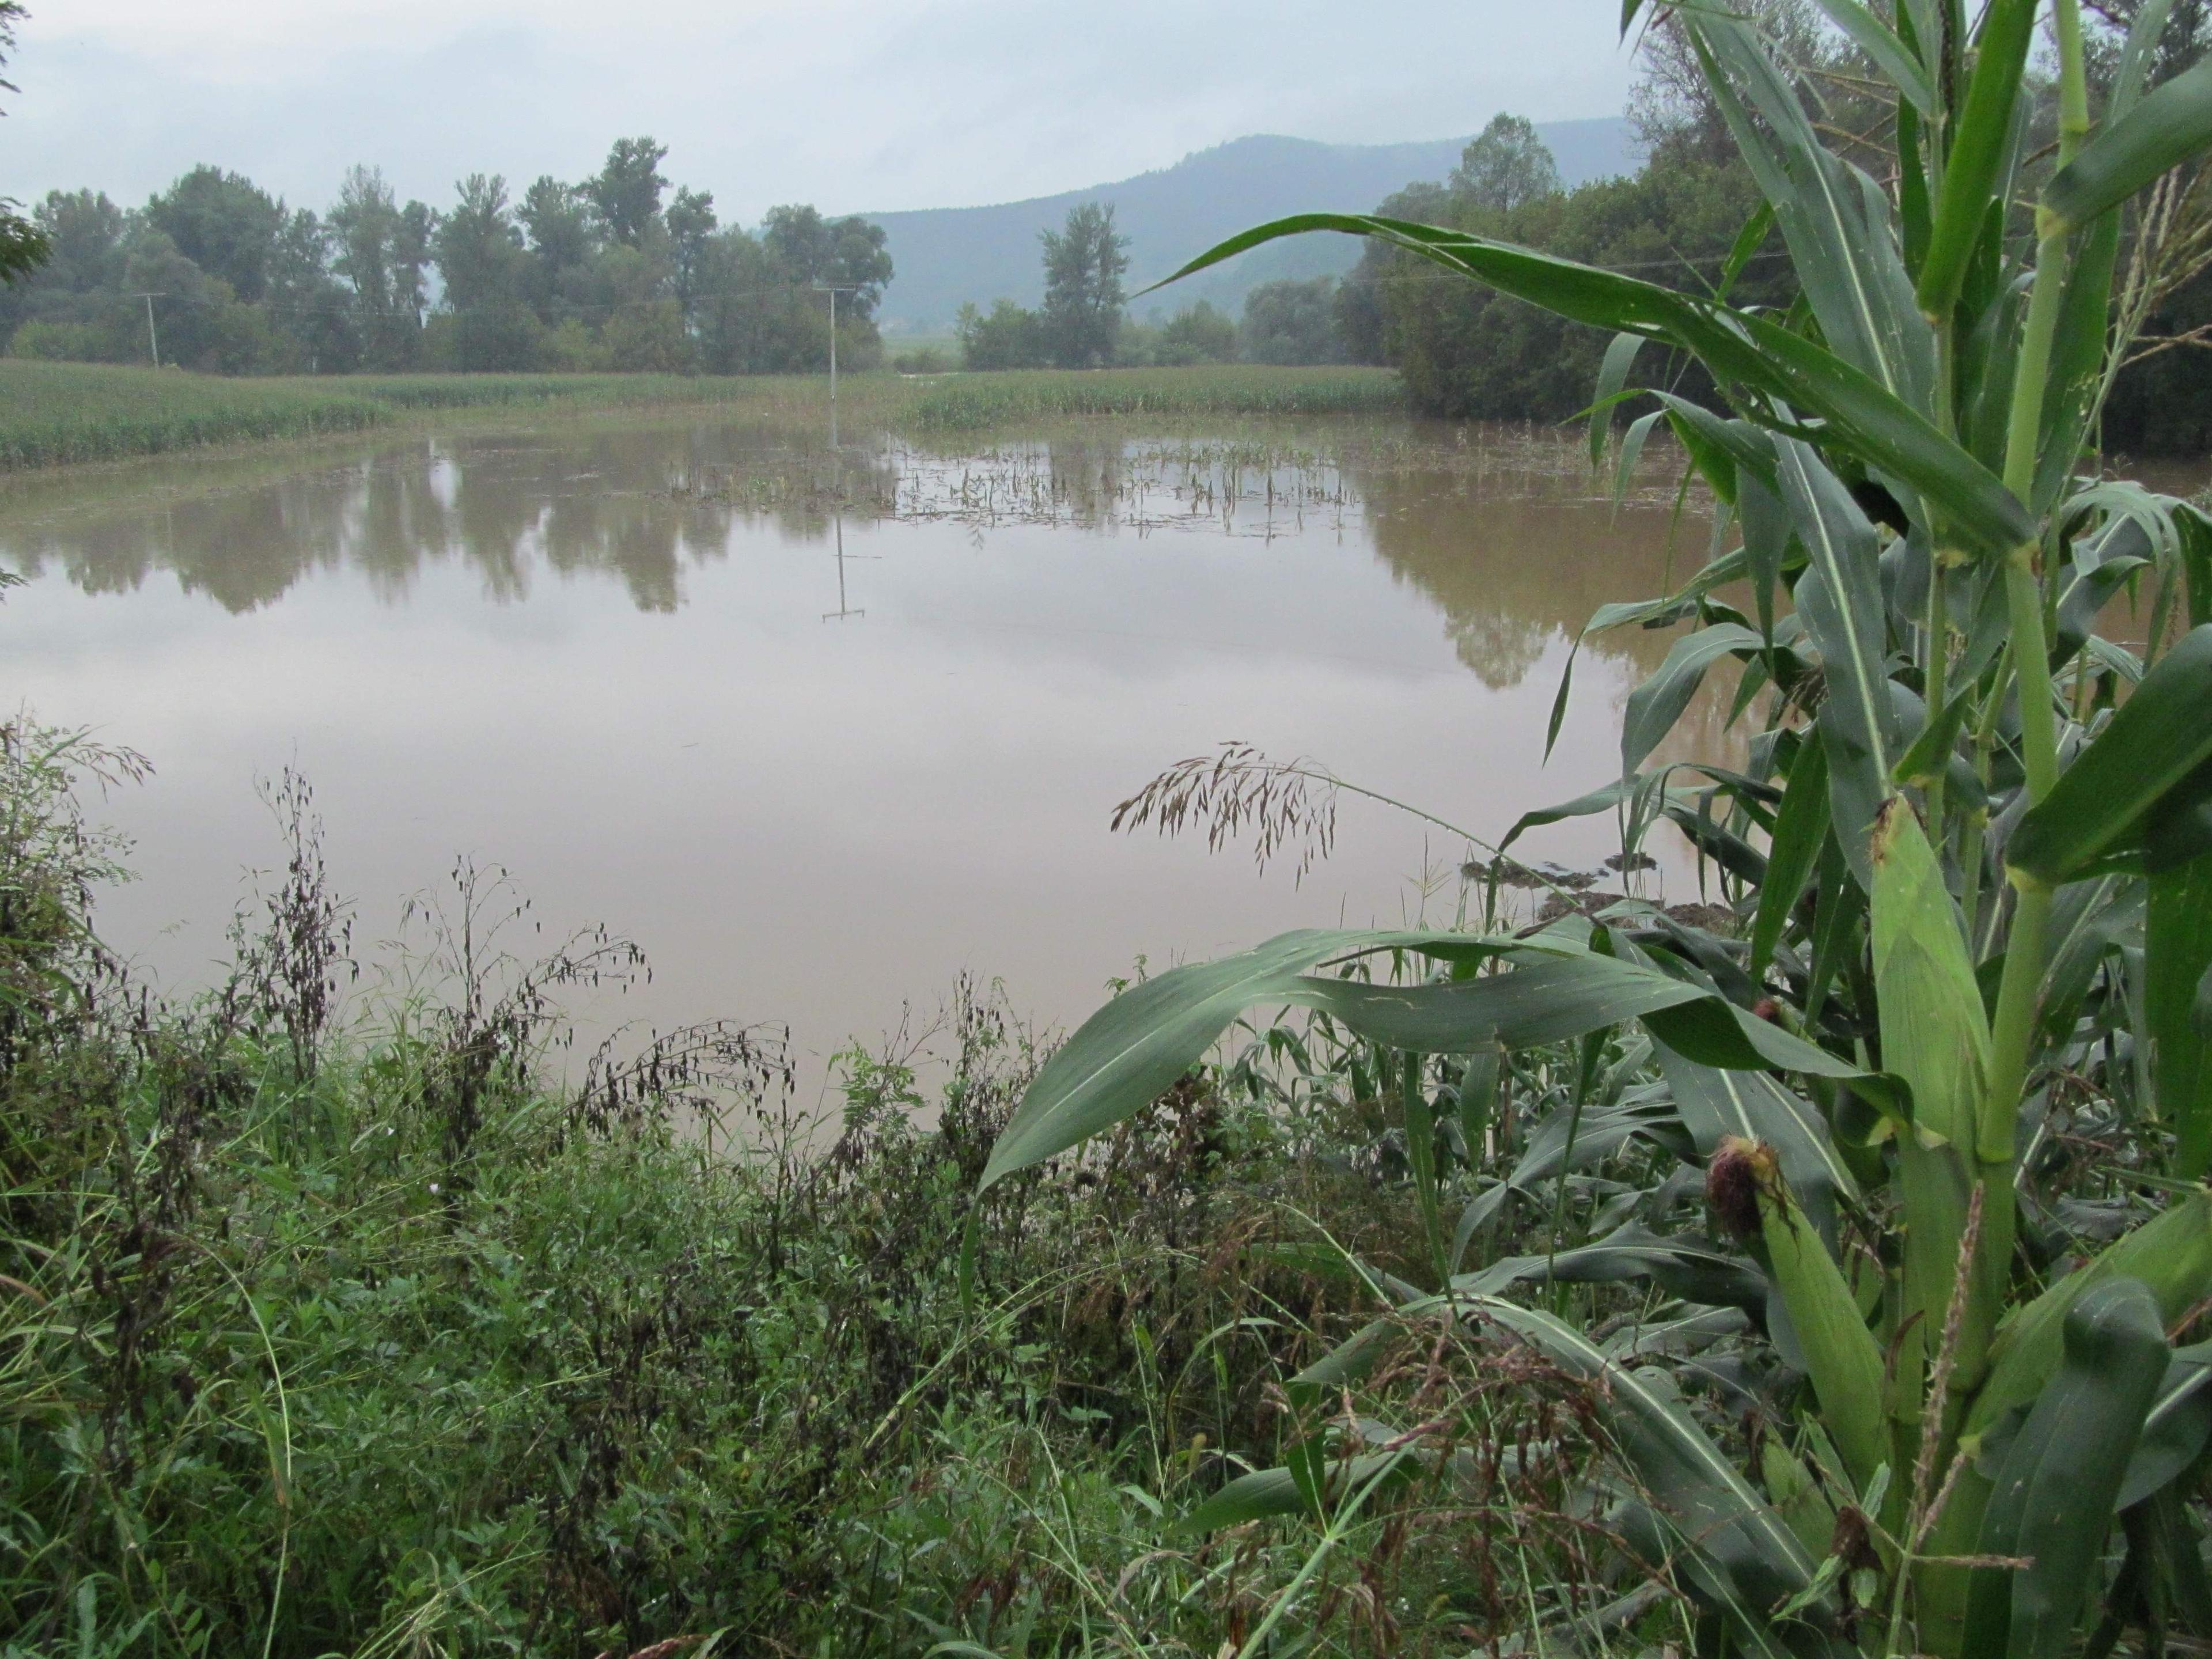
[833,290]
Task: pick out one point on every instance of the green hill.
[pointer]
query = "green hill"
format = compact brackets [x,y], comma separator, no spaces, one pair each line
[947,256]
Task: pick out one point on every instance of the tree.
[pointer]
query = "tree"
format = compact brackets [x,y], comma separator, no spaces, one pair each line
[23,245]
[84,231]
[382,250]
[849,252]
[1084,264]
[557,220]
[1504,165]
[1291,322]
[310,304]
[478,246]
[1008,336]
[627,191]
[690,222]
[483,265]
[225,224]
[1197,334]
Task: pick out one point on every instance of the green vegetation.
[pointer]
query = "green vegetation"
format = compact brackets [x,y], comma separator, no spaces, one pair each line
[968,402]
[1869,1202]
[1083,324]
[1466,351]
[354,1329]
[1822,1269]
[53,414]
[22,246]
[610,274]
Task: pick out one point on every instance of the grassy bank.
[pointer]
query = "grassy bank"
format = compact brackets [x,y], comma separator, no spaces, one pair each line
[60,414]
[354,1333]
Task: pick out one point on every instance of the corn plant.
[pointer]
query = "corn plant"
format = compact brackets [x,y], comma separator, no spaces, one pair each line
[1972,857]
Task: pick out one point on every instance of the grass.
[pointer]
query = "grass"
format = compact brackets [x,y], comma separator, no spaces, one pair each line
[969,403]
[58,414]
[352,1330]
[62,414]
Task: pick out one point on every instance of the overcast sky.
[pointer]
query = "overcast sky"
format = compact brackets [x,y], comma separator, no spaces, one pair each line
[853,105]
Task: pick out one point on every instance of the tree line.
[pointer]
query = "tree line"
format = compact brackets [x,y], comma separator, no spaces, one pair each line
[1084,322]
[614,272]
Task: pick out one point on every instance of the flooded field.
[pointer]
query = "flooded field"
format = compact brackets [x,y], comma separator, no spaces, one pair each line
[825,732]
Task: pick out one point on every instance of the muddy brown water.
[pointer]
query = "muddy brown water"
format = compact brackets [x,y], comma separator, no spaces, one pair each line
[633,667]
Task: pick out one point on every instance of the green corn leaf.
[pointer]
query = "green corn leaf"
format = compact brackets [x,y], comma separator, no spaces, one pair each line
[1132,1050]
[2172,1254]
[1841,1355]
[1711,1509]
[2195,532]
[2170,126]
[1545,999]
[1978,151]
[1766,535]
[1748,240]
[1604,799]
[1930,756]
[1839,597]
[1934,1034]
[1421,1155]
[2137,55]
[2089,921]
[1716,1104]
[2077,359]
[1873,37]
[1714,1031]
[2175,1431]
[1269,1493]
[2103,802]
[2100,568]
[1733,1544]
[1801,828]
[1836,220]
[1684,1267]
[2177,958]
[1656,705]
[1723,448]
[2053,1499]
[1611,376]
[1770,369]
[1631,451]
[1135,1048]
[1716,842]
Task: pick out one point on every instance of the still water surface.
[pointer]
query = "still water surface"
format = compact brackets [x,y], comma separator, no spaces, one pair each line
[632,666]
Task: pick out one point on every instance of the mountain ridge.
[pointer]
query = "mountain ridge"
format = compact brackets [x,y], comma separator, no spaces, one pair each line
[948,256]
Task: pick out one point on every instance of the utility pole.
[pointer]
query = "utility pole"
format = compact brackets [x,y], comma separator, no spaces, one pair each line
[833,290]
[153,340]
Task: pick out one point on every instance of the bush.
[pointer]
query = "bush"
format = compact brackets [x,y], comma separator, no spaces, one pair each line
[1291,322]
[1467,352]
[1008,337]
[1196,334]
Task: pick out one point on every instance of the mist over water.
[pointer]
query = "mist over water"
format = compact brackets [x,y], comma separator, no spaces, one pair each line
[631,666]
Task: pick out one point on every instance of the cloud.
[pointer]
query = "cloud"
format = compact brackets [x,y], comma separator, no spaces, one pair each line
[852,104]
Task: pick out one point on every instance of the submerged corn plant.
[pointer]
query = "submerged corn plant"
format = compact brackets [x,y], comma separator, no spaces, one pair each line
[1971,858]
